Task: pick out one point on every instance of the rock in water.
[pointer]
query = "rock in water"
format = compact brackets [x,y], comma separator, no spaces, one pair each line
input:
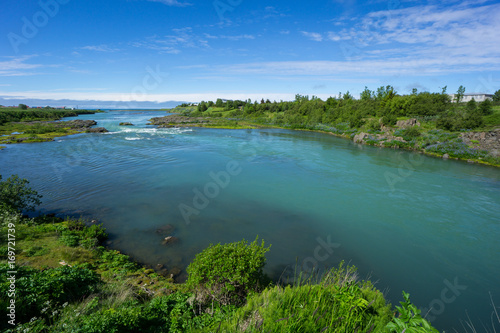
[97,130]
[166,229]
[170,240]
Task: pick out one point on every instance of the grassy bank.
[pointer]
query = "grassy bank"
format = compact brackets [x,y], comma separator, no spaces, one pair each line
[65,280]
[383,119]
[35,125]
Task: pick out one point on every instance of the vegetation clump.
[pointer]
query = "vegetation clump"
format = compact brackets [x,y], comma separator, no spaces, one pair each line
[228,273]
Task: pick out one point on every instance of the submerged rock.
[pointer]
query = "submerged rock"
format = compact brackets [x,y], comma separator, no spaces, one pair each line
[170,240]
[166,229]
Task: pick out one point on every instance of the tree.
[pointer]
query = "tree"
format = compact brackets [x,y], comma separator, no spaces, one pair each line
[459,96]
[471,106]
[219,103]
[485,108]
[367,94]
[496,96]
[16,195]
[23,106]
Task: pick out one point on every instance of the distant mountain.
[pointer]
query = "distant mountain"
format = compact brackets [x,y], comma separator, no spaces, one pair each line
[89,104]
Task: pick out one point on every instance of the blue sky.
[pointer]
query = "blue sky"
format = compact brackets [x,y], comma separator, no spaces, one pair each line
[184,50]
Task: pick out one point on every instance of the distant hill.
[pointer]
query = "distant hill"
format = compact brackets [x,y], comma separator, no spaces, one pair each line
[89,104]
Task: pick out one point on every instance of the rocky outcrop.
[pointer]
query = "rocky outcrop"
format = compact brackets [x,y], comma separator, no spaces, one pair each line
[126,123]
[170,121]
[489,141]
[76,124]
[360,138]
[363,137]
[96,130]
[407,123]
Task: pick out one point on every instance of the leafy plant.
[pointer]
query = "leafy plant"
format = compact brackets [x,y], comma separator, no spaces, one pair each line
[16,195]
[227,273]
[409,319]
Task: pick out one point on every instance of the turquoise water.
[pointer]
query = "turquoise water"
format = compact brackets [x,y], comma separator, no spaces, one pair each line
[408,221]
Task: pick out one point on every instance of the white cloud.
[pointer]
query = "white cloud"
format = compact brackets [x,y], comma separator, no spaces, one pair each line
[378,67]
[172,3]
[233,38]
[452,38]
[17,67]
[181,38]
[129,97]
[99,48]
[317,37]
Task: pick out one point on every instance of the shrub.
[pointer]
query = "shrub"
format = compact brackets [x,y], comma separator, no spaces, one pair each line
[227,273]
[70,239]
[409,319]
[41,290]
[16,195]
[410,133]
[485,108]
[374,125]
[389,120]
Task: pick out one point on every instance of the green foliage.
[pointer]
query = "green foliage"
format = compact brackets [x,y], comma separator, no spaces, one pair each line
[471,106]
[16,195]
[69,238]
[496,96]
[486,108]
[23,106]
[411,133]
[40,291]
[389,120]
[409,319]
[374,125]
[338,303]
[460,94]
[227,273]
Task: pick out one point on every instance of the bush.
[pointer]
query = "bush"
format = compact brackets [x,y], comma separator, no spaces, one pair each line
[227,273]
[42,290]
[16,195]
[411,133]
[374,125]
[389,120]
[485,108]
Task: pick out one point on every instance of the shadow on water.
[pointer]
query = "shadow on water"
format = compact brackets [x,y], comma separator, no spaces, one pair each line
[292,234]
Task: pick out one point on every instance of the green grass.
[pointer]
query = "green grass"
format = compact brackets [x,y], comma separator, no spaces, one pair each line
[337,303]
[131,298]
[493,119]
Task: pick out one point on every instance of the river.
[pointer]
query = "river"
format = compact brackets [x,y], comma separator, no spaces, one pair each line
[409,222]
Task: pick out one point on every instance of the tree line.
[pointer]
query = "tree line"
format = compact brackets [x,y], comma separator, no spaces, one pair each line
[384,103]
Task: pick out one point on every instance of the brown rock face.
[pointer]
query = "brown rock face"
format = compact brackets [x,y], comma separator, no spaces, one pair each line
[407,123]
[489,141]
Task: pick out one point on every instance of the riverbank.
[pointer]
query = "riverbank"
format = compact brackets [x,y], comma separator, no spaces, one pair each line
[63,269]
[44,131]
[410,134]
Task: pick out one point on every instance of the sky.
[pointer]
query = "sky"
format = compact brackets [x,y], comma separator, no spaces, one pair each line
[185,50]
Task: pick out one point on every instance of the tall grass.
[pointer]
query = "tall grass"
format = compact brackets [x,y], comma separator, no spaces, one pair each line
[339,302]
